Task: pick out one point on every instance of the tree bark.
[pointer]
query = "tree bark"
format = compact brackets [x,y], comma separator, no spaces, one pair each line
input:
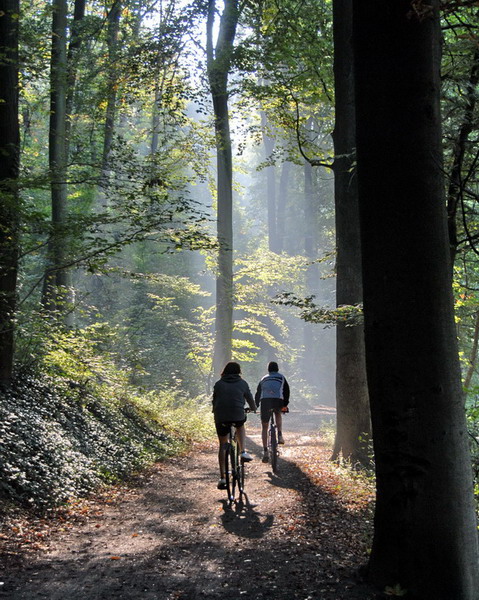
[353,424]
[425,535]
[155,117]
[218,64]
[9,205]
[114,15]
[473,356]
[56,277]
[72,68]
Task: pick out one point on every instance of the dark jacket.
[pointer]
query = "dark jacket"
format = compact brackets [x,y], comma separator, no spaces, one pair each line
[229,396]
[279,389]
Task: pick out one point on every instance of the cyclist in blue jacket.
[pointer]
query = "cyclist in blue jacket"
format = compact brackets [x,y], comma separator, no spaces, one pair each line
[272,394]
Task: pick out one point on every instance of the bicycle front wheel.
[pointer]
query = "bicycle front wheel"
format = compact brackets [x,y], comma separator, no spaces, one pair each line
[230,471]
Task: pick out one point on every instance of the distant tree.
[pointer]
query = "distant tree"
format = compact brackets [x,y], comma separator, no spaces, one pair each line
[460,76]
[457,176]
[269,144]
[219,57]
[73,55]
[353,424]
[281,206]
[113,29]
[425,534]
[9,163]
[56,276]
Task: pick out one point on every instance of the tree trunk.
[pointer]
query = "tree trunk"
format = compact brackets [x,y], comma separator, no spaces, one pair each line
[310,250]
[72,67]
[281,209]
[353,427]
[9,206]
[310,245]
[269,144]
[114,15]
[219,60]
[425,535]
[473,357]
[56,277]
[155,118]
[455,183]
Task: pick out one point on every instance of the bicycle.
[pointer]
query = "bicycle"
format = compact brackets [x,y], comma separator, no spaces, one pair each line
[234,467]
[273,451]
[273,442]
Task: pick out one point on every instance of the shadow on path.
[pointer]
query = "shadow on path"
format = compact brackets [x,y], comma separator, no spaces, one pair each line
[178,539]
[242,519]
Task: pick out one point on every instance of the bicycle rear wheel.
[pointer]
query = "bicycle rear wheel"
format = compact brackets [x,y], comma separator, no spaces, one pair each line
[240,476]
[273,443]
[230,471]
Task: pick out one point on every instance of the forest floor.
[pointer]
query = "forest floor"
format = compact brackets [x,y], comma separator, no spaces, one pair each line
[170,535]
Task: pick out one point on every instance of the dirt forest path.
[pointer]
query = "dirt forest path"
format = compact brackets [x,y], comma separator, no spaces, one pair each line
[174,538]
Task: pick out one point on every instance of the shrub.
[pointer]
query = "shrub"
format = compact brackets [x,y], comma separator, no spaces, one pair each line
[60,439]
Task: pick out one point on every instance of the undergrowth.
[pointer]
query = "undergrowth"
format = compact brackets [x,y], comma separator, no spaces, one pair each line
[57,443]
[70,428]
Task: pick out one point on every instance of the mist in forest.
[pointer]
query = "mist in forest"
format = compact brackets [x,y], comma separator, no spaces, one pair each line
[304,264]
[120,247]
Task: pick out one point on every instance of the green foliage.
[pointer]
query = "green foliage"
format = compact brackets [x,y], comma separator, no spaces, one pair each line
[63,438]
[395,590]
[75,355]
[351,315]
[290,57]
[163,330]
[187,419]
[58,445]
[257,322]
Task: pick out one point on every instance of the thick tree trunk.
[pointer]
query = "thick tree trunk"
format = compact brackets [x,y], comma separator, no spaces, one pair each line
[353,425]
[224,279]
[219,60]
[425,535]
[56,276]
[9,204]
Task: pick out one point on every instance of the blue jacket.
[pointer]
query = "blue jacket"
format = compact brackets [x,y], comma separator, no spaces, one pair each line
[273,385]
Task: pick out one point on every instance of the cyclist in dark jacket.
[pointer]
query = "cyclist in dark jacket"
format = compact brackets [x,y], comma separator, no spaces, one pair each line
[229,396]
[272,394]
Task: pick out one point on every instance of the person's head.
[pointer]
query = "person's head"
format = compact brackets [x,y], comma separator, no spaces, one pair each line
[231,368]
[273,367]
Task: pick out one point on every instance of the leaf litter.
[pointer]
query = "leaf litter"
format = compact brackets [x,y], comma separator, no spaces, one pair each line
[169,534]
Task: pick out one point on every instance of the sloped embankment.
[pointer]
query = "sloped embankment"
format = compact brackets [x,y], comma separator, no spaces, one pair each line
[59,441]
